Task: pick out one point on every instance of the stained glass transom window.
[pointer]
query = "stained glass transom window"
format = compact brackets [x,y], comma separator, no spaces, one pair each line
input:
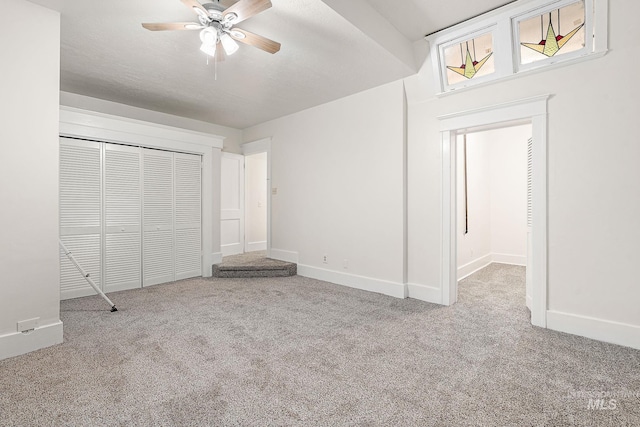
[554,33]
[469,59]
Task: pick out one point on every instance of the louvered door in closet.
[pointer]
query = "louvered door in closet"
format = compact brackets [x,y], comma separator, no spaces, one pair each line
[121,217]
[188,215]
[158,217]
[130,215]
[80,214]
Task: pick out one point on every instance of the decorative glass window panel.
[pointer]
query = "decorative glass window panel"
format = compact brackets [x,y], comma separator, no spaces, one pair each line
[469,59]
[554,33]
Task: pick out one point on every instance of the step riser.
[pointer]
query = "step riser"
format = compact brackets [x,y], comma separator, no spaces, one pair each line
[244,272]
[252,274]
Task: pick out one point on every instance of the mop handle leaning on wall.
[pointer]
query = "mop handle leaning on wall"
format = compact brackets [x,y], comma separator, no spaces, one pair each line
[69,255]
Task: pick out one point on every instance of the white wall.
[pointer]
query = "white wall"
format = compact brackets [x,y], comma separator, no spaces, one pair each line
[256,202]
[497,198]
[474,248]
[29,270]
[508,149]
[592,180]
[232,137]
[338,170]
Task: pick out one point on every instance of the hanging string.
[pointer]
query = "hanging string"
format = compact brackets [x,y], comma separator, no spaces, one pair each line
[475,58]
[541,27]
[461,55]
[559,22]
[466,186]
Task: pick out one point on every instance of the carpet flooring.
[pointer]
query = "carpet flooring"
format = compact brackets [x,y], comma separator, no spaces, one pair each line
[294,351]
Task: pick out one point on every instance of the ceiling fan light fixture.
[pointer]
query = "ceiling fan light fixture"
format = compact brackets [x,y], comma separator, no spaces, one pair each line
[230,46]
[209,36]
[208,49]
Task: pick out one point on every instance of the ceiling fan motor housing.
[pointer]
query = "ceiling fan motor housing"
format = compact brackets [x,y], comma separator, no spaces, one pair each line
[215,10]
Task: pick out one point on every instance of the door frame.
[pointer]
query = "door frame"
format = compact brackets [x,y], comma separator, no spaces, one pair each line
[255,147]
[531,110]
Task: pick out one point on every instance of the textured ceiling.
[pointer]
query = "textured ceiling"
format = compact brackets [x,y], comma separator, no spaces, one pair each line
[417,18]
[330,49]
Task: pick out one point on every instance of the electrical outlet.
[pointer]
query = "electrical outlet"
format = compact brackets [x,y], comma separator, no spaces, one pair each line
[324,259]
[28,325]
[274,191]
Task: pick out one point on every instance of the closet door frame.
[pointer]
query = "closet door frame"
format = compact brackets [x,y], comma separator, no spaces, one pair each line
[84,124]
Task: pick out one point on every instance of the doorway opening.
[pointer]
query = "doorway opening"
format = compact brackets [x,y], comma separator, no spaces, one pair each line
[533,111]
[246,199]
[492,225]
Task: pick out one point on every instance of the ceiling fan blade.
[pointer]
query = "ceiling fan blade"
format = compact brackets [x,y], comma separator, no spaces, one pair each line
[195,4]
[245,9]
[172,26]
[254,40]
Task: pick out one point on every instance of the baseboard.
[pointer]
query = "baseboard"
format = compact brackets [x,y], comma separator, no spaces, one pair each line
[509,259]
[424,293]
[480,263]
[77,293]
[473,266]
[282,255]
[256,246]
[353,281]
[17,343]
[597,329]
[216,258]
[232,249]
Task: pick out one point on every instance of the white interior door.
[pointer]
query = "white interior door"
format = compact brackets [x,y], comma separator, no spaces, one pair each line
[188,215]
[122,218]
[158,214]
[232,204]
[80,215]
[255,206]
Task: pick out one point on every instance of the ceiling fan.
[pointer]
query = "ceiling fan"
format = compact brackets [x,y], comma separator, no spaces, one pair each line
[217,31]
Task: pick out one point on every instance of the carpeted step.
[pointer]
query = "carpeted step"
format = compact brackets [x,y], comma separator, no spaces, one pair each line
[253,264]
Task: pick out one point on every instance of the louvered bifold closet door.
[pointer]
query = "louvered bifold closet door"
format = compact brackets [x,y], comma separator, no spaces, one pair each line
[122,218]
[188,217]
[157,194]
[80,215]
